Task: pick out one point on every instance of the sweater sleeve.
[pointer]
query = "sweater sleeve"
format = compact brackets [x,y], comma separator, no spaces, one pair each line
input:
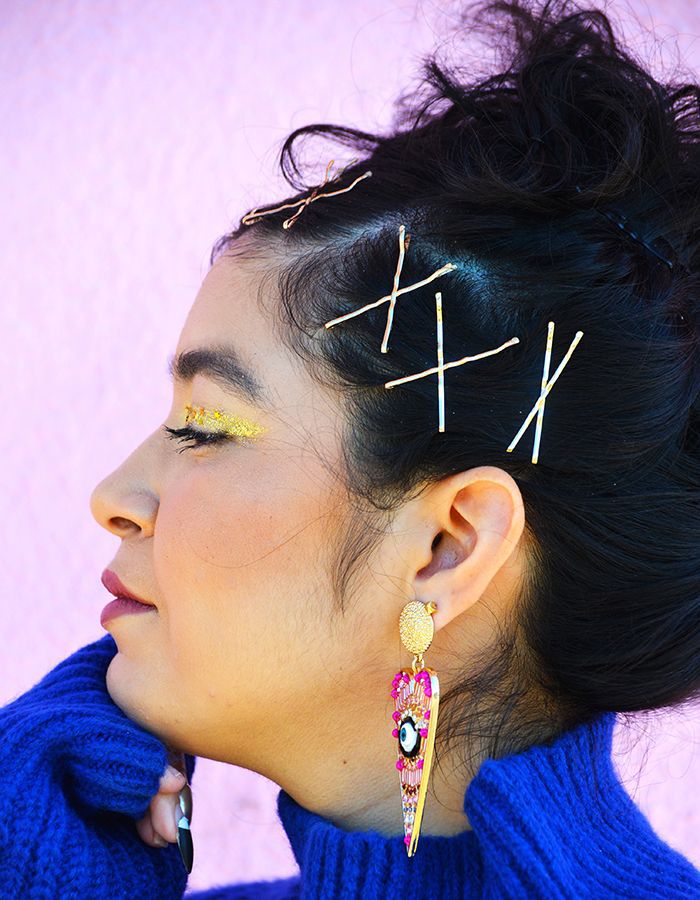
[75,775]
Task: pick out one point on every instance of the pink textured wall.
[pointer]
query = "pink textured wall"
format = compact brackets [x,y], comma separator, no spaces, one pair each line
[133,135]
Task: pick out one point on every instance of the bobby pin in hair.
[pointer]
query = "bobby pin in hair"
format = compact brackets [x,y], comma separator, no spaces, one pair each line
[442,365]
[544,391]
[396,291]
[546,385]
[404,240]
[253,216]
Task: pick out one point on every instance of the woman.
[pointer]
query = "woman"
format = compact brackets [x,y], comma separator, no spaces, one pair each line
[344,495]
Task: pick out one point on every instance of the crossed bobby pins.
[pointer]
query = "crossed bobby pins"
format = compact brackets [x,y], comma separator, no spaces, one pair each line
[396,291]
[442,366]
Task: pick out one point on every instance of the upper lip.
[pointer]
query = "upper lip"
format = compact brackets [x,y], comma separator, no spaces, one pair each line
[114,585]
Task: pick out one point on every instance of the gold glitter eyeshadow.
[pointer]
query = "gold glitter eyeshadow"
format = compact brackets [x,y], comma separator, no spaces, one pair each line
[221,421]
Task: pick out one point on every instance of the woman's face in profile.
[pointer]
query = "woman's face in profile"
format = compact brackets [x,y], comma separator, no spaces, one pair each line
[233,544]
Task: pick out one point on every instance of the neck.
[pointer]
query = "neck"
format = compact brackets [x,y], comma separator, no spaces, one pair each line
[331,791]
[545,821]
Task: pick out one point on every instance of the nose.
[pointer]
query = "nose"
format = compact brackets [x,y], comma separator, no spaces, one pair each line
[126,502]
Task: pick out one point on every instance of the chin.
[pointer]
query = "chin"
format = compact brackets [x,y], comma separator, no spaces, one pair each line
[131,691]
[116,683]
[127,690]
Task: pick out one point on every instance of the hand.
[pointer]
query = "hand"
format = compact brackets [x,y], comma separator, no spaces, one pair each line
[159,825]
[76,775]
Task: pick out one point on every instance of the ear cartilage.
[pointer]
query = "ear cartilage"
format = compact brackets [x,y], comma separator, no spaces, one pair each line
[250,217]
[403,244]
[547,387]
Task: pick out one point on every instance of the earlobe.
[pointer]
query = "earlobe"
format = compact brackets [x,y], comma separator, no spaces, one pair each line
[478,518]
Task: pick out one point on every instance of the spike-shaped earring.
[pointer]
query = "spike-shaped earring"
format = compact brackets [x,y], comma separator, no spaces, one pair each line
[416,693]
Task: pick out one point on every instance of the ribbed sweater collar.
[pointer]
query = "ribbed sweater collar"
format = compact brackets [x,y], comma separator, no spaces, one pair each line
[544,821]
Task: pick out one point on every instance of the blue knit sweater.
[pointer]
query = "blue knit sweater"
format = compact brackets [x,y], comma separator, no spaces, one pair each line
[553,821]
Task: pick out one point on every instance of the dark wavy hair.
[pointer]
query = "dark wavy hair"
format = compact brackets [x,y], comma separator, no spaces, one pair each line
[506,176]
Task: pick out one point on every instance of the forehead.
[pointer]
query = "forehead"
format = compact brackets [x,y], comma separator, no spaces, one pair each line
[228,310]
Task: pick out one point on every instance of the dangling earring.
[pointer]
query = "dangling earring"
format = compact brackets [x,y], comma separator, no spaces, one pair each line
[416,693]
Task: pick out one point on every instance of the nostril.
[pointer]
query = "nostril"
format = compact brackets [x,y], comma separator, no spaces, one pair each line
[122,525]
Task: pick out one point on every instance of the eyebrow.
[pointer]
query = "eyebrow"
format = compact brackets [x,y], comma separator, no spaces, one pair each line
[223,365]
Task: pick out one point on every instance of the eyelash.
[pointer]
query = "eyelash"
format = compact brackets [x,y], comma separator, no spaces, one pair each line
[199,438]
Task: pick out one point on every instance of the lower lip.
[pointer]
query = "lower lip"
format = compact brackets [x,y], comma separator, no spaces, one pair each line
[121,606]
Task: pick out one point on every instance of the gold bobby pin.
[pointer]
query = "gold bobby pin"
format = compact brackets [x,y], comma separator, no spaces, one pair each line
[395,291]
[220,421]
[442,365]
[448,267]
[544,391]
[255,214]
[403,246]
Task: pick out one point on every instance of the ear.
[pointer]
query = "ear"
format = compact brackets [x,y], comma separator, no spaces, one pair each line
[470,525]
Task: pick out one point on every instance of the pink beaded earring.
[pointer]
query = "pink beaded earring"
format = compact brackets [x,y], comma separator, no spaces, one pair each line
[416,693]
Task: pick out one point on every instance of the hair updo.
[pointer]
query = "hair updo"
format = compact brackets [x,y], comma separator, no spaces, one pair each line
[484,174]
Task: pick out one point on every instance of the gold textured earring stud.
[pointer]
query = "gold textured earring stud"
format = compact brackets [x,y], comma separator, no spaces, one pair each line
[416,693]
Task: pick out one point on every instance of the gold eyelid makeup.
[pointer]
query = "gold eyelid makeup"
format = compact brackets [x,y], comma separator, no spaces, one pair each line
[221,421]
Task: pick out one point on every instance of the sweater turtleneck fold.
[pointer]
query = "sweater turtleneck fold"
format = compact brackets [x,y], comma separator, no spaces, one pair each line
[365,864]
[76,774]
[551,821]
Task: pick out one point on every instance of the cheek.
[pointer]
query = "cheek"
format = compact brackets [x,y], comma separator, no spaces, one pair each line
[210,535]
[215,521]
[218,563]
[243,531]
[241,566]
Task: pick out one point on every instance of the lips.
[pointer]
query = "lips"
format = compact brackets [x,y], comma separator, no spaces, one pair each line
[114,585]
